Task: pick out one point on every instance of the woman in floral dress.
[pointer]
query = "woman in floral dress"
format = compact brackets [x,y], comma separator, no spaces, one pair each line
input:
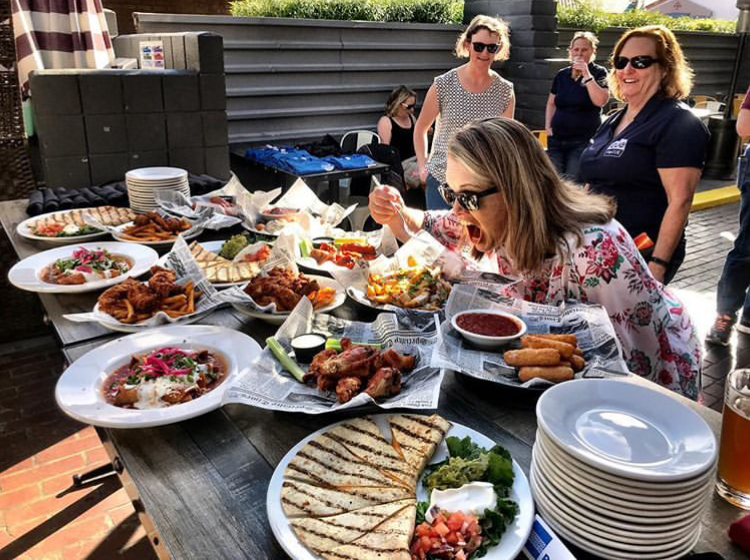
[508,202]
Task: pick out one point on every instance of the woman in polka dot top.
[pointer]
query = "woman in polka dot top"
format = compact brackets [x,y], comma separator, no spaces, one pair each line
[470,92]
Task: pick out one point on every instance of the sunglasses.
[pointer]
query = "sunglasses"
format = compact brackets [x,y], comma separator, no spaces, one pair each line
[409,107]
[492,48]
[468,201]
[638,62]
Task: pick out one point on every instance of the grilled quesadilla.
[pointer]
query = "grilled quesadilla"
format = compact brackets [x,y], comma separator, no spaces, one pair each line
[363,438]
[105,215]
[389,540]
[416,437]
[322,534]
[300,499]
[219,270]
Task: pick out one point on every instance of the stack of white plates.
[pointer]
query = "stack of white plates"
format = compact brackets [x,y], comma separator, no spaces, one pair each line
[621,470]
[144,183]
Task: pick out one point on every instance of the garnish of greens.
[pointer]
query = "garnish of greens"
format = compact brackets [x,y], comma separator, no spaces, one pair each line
[233,246]
[468,462]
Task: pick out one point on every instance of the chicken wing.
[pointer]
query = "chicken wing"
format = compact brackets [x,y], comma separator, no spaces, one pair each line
[385,382]
[347,387]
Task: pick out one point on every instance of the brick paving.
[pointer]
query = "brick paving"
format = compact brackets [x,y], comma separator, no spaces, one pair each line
[42,517]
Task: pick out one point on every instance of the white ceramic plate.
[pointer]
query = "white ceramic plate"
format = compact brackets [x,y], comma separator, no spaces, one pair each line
[136,327]
[654,493]
[25,274]
[156,174]
[510,545]
[646,488]
[627,429]
[24,230]
[608,536]
[278,318]
[581,488]
[617,554]
[78,390]
[159,244]
[360,297]
[622,522]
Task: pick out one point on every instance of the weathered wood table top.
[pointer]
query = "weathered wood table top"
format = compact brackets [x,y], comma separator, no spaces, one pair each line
[203,482]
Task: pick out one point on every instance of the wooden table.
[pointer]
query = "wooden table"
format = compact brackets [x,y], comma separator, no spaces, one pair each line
[200,486]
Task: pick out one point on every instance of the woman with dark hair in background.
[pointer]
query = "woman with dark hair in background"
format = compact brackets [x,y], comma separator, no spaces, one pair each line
[470,92]
[396,128]
[649,155]
[574,105]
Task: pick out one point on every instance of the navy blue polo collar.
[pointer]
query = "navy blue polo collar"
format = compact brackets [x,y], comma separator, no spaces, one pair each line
[651,106]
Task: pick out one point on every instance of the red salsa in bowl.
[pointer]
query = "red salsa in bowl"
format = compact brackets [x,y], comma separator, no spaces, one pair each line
[488,329]
[488,324]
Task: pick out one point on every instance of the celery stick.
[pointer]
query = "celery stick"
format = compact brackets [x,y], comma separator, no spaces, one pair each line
[286,362]
[335,344]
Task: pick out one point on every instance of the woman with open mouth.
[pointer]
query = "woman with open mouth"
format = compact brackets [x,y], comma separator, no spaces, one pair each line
[508,204]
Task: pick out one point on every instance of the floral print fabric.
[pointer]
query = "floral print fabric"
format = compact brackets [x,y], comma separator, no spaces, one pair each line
[658,339]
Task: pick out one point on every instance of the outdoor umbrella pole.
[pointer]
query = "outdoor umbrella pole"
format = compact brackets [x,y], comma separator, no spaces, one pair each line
[735,76]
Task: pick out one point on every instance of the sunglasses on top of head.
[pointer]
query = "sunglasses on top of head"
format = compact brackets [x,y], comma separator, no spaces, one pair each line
[467,200]
[638,62]
[492,48]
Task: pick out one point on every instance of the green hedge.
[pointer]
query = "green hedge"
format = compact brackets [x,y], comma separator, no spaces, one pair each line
[415,11]
[584,15]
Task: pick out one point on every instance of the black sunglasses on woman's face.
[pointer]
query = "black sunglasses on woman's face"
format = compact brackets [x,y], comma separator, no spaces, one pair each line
[492,48]
[409,107]
[468,200]
[638,62]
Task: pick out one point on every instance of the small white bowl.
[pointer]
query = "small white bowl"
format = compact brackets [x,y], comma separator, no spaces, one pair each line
[489,342]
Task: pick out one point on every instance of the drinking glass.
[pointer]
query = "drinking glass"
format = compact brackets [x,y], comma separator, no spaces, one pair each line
[733,483]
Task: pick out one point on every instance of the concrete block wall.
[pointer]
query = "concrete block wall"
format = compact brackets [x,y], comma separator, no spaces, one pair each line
[95,125]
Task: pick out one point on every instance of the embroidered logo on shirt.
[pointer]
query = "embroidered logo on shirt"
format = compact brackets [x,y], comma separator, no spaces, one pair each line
[616,149]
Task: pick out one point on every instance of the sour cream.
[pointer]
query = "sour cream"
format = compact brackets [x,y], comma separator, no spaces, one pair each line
[472,498]
[71,229]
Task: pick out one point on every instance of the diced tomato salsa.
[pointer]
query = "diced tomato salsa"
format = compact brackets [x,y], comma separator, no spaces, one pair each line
[453,536]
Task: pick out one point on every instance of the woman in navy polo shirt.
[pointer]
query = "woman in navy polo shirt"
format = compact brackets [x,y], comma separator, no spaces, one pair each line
[574,105]
[649,155]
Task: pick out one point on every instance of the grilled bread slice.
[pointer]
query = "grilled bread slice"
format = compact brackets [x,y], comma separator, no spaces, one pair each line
[219,270]
[326,533]
[417,436]
[302,499]
[389,540]
[324,462]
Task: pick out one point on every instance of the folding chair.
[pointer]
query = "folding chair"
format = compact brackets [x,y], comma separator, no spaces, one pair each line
[355,139]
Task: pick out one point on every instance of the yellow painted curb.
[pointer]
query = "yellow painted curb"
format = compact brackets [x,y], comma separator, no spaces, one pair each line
[715,197]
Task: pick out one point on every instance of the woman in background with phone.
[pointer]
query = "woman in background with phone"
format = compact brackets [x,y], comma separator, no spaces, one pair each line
[574,105]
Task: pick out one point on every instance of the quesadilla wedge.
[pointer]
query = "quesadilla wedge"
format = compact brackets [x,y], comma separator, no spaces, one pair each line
[363,438]
[321,534]
[325,462]
[389,540]
[300,499]
[417,436]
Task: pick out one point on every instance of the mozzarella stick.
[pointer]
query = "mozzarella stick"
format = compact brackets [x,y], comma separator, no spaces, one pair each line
[532,357]
[556,374]
[569,338]
[565,349]
[578,352]
[577,362]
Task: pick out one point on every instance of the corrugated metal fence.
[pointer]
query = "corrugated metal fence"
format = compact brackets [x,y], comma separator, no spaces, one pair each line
[296,79]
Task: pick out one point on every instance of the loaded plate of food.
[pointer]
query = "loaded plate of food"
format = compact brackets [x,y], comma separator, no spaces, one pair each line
[279,213]
[81,268]
[230,263]
[69,226]
[154,229]
[132,303]
[435,490]
[326,254]
[279,290]
[154,378]
[414,287]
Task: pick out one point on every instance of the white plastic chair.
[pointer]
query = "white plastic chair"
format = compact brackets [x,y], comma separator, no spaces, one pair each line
[355,139]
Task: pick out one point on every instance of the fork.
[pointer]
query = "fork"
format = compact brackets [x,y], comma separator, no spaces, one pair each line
[407,228]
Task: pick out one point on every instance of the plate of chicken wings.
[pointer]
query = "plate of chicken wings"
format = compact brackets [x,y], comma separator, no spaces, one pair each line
[359,368]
